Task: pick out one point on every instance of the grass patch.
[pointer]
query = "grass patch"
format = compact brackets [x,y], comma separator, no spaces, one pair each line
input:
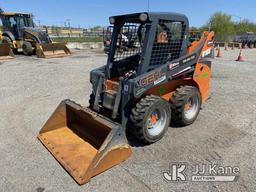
[77,39]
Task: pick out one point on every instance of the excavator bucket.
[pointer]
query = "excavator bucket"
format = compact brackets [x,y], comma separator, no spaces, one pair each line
[84,142]
[6,52]
[52,50]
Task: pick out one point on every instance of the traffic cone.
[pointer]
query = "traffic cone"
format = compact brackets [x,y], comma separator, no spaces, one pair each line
[240,57]
[219,53]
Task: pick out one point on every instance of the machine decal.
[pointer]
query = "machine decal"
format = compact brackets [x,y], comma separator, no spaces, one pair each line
[184,61]
[155,78]
[188,59]
[160,80]
[210,43]
[206,52]
[126,88]
[140,91]
[182,71]
[204,75]
[161,91]
[173,65]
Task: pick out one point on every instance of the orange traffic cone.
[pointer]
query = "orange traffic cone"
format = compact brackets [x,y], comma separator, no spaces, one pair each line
[219,53]
[240,57]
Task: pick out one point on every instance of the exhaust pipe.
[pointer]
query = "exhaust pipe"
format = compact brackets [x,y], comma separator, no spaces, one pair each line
[84,142]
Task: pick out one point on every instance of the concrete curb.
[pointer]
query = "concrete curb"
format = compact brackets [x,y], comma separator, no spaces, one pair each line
[84,46]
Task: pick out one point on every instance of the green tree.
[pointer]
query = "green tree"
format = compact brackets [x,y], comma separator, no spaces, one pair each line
[245,26]
[194,29]
[222,24]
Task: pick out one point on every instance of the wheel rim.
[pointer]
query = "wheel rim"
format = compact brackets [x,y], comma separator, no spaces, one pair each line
[156,122]
[191,107]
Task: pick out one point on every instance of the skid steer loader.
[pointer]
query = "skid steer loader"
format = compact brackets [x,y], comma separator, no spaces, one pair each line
[161,77]
[20,33]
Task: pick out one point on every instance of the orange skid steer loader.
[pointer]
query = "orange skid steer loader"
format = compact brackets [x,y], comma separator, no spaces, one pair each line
[153,75]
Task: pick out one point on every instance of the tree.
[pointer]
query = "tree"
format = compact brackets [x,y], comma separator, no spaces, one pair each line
[245,26]
[194,29]
[222,24]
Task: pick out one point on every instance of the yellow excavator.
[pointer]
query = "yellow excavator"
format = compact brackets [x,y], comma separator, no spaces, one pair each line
[20,32]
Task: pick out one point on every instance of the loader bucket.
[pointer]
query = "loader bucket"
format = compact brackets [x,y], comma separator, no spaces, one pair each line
[84,142]
[6,52]
[52,50]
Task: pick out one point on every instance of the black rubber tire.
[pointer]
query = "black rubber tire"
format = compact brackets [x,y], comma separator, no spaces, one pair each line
[27,48]
[7,40]
[140,114]
[178,102]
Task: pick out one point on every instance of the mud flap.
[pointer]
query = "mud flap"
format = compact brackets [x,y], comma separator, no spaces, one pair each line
[84,142]
[52,50]
[6,52]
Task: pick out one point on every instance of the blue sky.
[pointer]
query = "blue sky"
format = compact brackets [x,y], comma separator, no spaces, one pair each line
[88,13]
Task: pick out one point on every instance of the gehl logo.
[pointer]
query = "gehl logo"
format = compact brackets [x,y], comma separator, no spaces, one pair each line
[151,78]
[176,172]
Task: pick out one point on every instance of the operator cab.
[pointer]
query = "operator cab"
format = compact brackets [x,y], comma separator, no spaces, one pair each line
[143,41]
[14,22]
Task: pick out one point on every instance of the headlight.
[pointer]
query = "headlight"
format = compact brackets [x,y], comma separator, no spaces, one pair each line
[143,17]
[112,20]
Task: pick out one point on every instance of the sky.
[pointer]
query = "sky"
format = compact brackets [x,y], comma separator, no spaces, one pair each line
[89,13]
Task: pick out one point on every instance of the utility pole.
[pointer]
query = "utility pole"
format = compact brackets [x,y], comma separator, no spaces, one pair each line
[68,20]
[69,26]
[148,5]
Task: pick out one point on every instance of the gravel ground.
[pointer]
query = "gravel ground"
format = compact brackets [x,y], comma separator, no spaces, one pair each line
[224,133]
